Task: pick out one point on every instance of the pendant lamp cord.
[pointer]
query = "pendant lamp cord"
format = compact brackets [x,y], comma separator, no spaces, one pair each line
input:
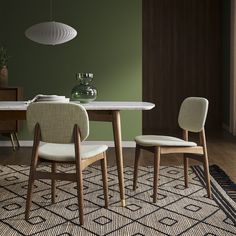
[50,10]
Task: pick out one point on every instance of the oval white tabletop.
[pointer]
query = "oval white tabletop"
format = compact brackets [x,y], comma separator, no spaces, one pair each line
[96,105]
[110,105]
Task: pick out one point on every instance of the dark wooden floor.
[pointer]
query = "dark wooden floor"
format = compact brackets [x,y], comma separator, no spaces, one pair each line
[221,150]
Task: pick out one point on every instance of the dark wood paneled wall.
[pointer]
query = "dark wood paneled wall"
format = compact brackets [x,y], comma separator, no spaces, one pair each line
[181,58]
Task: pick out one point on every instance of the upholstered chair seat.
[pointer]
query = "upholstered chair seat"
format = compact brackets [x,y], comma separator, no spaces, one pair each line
[66,152]
[160,140]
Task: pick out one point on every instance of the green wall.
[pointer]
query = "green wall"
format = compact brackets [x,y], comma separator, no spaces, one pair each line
[108,44]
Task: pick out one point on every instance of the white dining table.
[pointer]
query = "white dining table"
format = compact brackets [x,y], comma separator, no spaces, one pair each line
[105,111]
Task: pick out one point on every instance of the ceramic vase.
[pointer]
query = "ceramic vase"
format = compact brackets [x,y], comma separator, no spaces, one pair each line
[3,76]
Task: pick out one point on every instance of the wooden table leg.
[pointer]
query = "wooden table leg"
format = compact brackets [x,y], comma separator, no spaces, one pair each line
[119,155]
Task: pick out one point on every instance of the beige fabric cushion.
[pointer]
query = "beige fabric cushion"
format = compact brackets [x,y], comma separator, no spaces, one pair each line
[66,152]
[159,140]
[57,121]
[193,113]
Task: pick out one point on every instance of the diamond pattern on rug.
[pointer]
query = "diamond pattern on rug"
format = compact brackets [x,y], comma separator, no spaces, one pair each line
[104,222]
[40,220]
[13,207]
[168,221]
[192,208]
[178,211]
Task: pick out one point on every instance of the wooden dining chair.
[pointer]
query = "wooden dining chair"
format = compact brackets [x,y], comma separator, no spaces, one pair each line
[59,129]
[192,117]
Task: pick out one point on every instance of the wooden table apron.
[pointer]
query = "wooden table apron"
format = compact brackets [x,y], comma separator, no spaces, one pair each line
[106,115]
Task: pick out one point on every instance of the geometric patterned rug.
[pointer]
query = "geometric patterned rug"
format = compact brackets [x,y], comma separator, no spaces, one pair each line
[178,211]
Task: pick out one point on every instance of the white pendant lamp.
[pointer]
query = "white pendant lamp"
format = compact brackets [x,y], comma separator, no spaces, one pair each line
[50,32]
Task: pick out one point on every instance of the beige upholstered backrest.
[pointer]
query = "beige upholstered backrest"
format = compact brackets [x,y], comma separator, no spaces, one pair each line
[57,121]
[193,113]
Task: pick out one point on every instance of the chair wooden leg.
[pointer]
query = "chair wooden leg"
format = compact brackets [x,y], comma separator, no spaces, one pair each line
[53,187]
[79,175]
[80,195]
[34,163]
[136,164]
[207,176]
[104,179]
[186,171]
[157,157]
[206,163]
[29,193]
